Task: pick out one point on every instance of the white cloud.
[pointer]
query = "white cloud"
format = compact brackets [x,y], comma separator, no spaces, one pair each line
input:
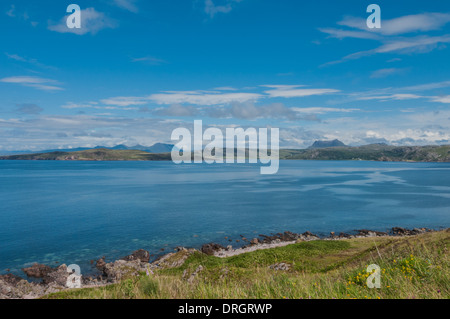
[389,34]
[211,8]
[402,25]
[33,81]
[11,12]
[129,5]
[382,73]
[291,91]
[124,101]
[441,99]
[323,110]
[396,97]
[202,98]
[34,62]
[92,22]
[149,60]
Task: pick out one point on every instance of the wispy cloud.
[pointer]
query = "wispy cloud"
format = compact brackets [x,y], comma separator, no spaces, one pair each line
[382,73]
[129,5]
[395,97]
[225,6]
[402,25]
[125,101]
[13,13]
[149,60]
[92,22]
[392,34]
[202,97]
[35,82]
[34,62]
[292,91]
[441,99]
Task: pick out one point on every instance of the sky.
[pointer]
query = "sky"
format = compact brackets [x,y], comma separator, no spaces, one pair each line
[137,69]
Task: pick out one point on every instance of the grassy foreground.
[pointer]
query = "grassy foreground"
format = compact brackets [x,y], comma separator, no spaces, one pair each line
[411,267]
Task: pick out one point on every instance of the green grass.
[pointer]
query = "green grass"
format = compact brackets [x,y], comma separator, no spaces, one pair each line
[412,267]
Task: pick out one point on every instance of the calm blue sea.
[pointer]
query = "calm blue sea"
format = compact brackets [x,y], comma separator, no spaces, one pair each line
[73,212]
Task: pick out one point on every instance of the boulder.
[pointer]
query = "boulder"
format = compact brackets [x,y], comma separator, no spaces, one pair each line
[211,248]
[37,270]
[141,254]
[122,269]
[100,264]
[58,276]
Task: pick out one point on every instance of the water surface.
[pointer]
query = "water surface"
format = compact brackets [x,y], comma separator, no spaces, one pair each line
[74,212]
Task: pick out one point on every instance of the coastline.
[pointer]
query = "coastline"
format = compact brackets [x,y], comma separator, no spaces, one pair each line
[54,280]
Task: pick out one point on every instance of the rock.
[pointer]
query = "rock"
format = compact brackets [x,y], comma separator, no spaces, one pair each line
[37,270]
[14,287]
[11,279]
[210,249]
[195,273]
[280,266]
[254,241]
[229,248]
[100,264]
[309,236]
[371,233]
[141,254]
[173,260]
[399,231]
[123,269]
[58,276]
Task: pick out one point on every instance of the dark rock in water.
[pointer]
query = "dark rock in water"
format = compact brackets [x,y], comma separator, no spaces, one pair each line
[100,264]
[37,270]
[211,248]
[399,231]
[344,235]
[308,235]
[371,233]
[141,254]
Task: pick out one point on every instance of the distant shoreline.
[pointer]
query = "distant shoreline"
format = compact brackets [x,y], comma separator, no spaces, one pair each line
[372,152]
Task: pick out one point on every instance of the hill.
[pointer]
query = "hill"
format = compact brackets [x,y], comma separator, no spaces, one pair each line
[325,144]
[373,152]
[92,155]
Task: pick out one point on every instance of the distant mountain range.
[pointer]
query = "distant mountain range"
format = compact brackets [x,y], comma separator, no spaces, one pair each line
[156,148]
[372,152]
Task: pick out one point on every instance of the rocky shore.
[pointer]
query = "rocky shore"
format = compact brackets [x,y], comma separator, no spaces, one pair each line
[55,279]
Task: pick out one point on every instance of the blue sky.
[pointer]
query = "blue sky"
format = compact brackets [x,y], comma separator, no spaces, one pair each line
[138,69]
